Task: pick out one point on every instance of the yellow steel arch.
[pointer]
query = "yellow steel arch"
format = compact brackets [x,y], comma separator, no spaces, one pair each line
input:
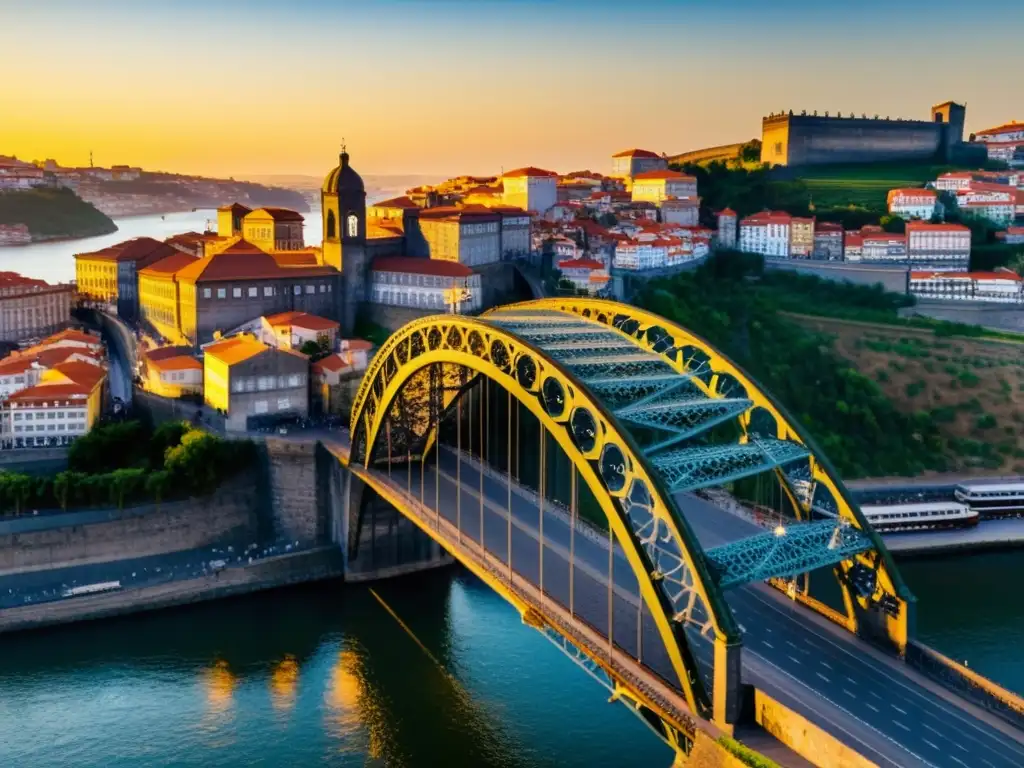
[613,315]
[474,344]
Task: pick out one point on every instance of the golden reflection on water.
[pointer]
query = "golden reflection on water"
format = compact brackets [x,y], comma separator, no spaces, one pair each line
[344,690]
[284,680]
[219,683]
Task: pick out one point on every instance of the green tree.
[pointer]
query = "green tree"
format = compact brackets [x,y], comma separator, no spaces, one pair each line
[894,224]
[310,348]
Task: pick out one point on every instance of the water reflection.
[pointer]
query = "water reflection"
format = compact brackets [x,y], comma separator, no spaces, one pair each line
[283,681]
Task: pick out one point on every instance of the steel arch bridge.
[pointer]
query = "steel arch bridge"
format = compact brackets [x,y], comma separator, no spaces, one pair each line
[646,412]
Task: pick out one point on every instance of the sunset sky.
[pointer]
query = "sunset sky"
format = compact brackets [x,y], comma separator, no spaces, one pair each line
[237,87]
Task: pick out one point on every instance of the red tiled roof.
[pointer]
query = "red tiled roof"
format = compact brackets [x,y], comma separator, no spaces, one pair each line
[302,320]
[924,226]
[768,217]
[473,210]
[179,362]
[421,266]
[15,364]
[529,171]
[290,259]
[637,153]
[50,393]
[141,249]
[168,265]
[51,356]
[235,349]
[727,212]
[70,334]
[664,174]
[244,261]
[828,226]
[235,208]
[163,353]
[912,192]
[581,263]
[396,202]
[1007,128]
[281,214]
[83,374]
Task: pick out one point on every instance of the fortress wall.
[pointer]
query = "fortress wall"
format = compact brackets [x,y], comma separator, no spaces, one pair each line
[810,140]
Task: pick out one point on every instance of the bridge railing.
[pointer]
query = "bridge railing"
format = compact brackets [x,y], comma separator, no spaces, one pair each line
[643,685]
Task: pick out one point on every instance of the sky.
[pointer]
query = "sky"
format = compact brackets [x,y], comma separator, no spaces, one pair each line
[246,87]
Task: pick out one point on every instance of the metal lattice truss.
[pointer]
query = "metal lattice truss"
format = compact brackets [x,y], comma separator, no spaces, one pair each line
[643,395]
[425,366]
[786,552]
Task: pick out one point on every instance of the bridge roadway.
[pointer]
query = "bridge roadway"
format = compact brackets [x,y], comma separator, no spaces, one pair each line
[871,701]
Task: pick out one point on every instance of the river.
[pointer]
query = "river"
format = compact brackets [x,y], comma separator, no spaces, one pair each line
[55,262]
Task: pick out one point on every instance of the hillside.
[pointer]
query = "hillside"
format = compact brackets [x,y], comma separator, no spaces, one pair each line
[864,185]
[52,214]
[971,389]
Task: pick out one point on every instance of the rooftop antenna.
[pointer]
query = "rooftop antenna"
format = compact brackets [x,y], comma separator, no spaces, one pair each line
[90,158]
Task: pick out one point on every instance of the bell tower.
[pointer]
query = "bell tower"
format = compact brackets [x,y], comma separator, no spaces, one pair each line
[343,205]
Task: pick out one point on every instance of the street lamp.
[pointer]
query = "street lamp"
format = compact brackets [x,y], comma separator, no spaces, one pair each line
[455,296]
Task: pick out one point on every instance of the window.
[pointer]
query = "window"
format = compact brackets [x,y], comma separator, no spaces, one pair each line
[283,404]
[207,293]
[222,293]
[310,289]
[236,293]
[268,290]
[323,288]
[297,290]
[331,225]
[295,380]
[18,416]
[252,292]
[261,406]
[51,415]
[353,225]
[61,427]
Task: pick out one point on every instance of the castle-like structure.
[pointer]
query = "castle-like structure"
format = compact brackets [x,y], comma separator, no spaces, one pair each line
[791,139]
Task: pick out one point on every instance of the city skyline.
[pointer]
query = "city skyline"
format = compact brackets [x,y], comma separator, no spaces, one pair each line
[221,89]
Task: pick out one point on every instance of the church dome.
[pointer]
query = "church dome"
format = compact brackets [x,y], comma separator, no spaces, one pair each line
[343,178]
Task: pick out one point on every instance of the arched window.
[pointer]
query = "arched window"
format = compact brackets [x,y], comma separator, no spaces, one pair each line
[331,225]
[353,225]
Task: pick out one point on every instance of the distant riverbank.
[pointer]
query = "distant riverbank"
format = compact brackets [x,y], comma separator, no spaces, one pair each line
[51,215]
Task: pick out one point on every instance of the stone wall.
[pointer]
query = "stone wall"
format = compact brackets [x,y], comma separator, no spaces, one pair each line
[804,737]
[392,318]
[894,279]
[294,491]
[151,529]
[1002,317]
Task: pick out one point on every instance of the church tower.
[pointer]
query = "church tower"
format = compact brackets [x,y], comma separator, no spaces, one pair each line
[343,205]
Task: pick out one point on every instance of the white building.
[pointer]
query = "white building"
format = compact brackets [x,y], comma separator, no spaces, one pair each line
[587,275]
[993,202]
[726,228]
[532,189]
[913,203]
[426,284]
[655,186]
[53,414]
[766,233]
[1004,143]
[938,246]
[630,162]
[565,248]
[1002,286]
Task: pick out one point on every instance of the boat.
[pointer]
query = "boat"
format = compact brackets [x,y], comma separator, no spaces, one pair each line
[992,499]
[888,518]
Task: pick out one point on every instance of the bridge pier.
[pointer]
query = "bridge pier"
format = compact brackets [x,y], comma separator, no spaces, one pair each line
[728,688]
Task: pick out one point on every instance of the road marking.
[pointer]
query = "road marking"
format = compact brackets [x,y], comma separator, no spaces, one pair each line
[901,711]
[823,677]
[929,743]
[825,664]
[901,725]
[794,645]
[850,693]
[874,694]
[872,707]
[765,642]
[933,730]
[794,658]
[961,746]
[953,757]
[986,762]
[852,680]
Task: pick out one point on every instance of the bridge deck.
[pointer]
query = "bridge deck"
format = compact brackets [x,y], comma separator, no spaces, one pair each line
[872,702]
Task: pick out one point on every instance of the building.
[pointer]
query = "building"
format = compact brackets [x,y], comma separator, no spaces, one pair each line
[470,236]
[1012,236]
[251,382]
[938,246]
[996,203]
[229,287]
[913,203]
[1001,286]
[684,211]
[532,189]
[630,162]
[15,234]
[853,246]
[726,228]
[343,202]
[515,231]
[291,330]
[565,248]
[46,415]
[329,375]
[230,218]
[160,297]
[109,277]
[828,241]
[801,237]
[1004,143]
[587,275]
[766,233]
[881,247]
[427,284]
[274,229]
[26,368]
[31,308]
[172,372]
[789,139]
[657,185]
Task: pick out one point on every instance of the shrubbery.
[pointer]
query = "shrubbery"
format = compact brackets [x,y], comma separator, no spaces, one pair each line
[123,464]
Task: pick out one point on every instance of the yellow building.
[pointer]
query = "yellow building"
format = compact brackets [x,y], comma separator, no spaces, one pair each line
[96,275]
[89,378]
[274,229]
[159,296]
[172,372]
[229,219]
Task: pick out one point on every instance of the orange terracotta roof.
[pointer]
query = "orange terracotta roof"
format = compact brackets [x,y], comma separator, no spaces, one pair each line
[637,153]
[290,259]
[664,174]
[334,363]
[50,356]
[54,394]
[581,263]
[281,214]
[727,212]
[70,334]
[767,217]
[924,226]
[411,265]
[301,320]
[912,192]
[244,261]
[168,265]
[178,362]
[473,210]
[15,365]
[83,374]
[1011,127]
[396,202]
[235,350]
[1007,275]
[529,171]
[828,226]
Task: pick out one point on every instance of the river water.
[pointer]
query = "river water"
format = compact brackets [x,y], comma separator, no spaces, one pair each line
[326,676]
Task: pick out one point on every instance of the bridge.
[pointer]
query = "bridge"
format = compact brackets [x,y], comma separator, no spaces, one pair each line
[655,513]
